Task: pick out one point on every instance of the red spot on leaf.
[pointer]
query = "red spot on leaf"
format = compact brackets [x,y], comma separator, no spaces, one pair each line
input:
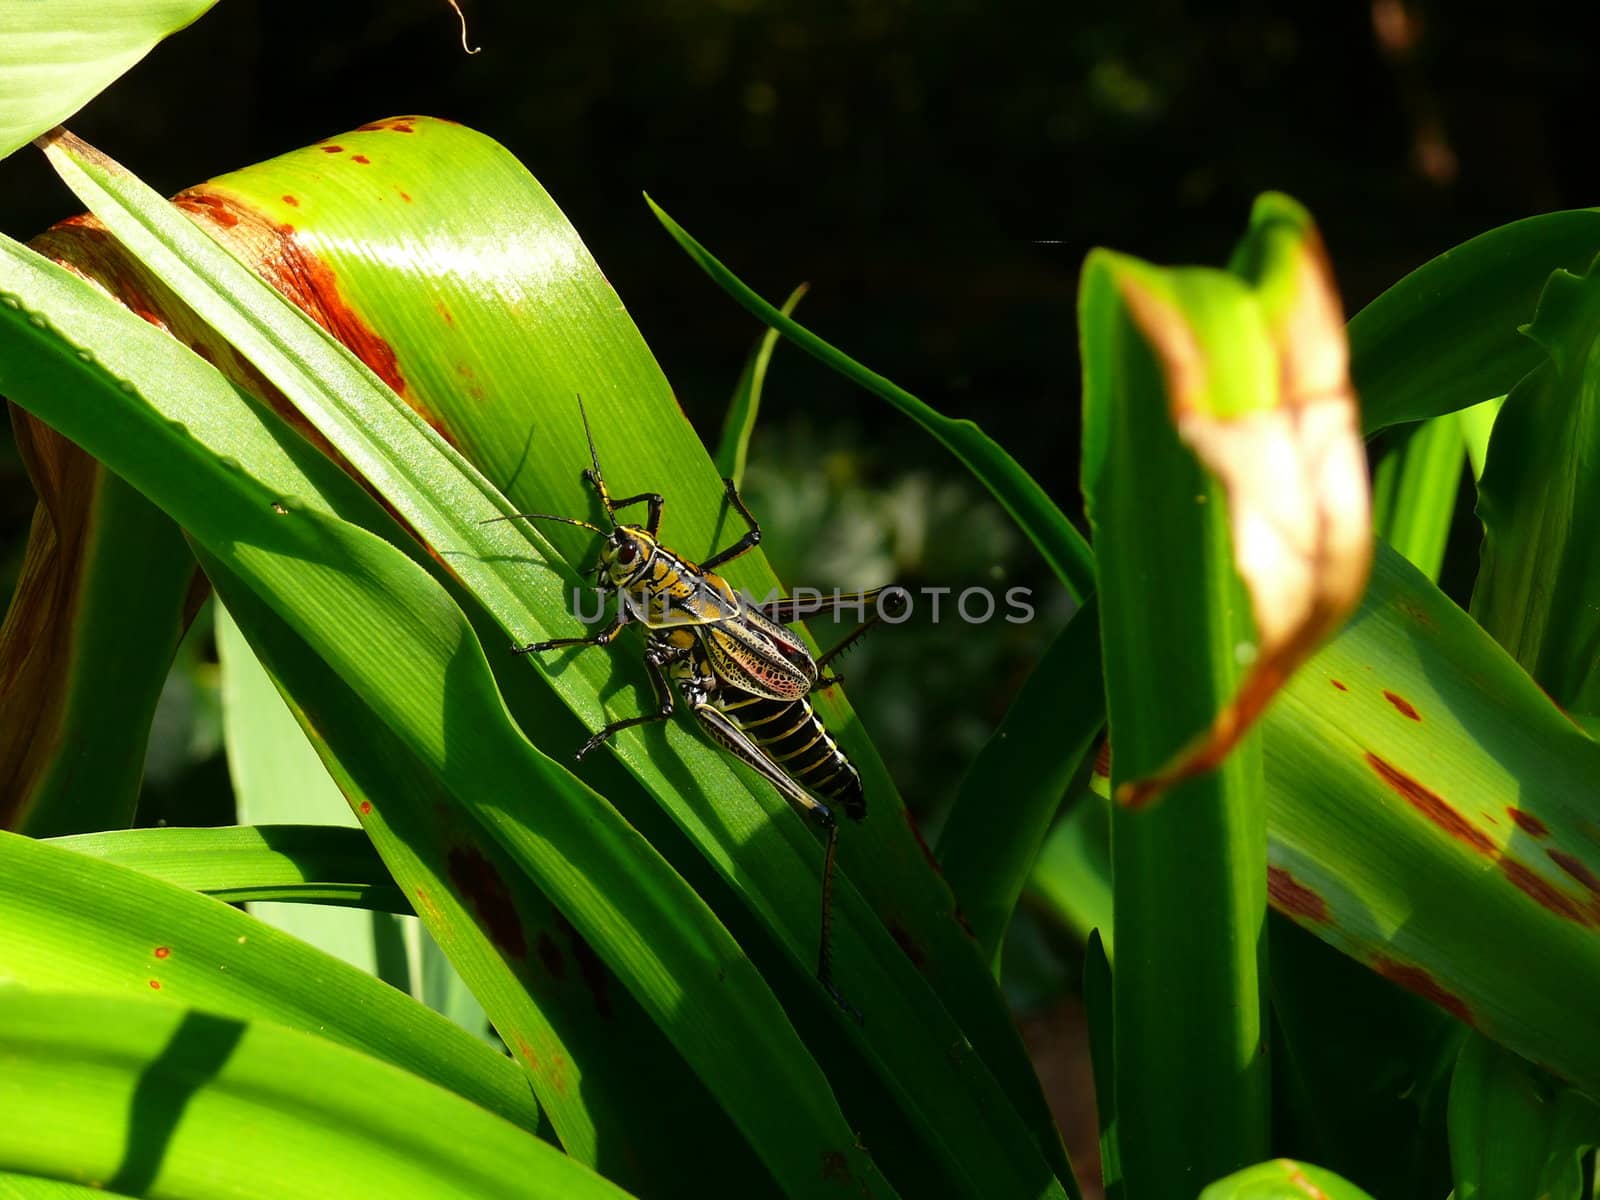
[1295,898]
[550,955]
[1431,805]
[163,951]
[1415,979]
[443,310]
[333,149]
[835,1167]
[1572,866]
[1543,891]
[155,984]
[426,907]
[360,158]
[1402,705]
[526,1054]
[1529,823]
[907,944]
[406,196]
[1339,685]
[366,807]
[291,201]
[911,824]
[475,877]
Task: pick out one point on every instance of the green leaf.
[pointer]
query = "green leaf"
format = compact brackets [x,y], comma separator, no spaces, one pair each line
[68,921]
[1283,1179]
[1445,337]
[34,1187]
[1430,809]
[298,864]
[412,655]
[1097,1004]
[1540,503]
[1361,1068]
[1014,787]
[584,1041]
[1414,490]
[278,780]
[1515,1131]
[1018,493]
[1477,423]
[643,440]
[1073,873]
[740,422]
[148,1099]
[56,57]
[82,655]
[1189,896]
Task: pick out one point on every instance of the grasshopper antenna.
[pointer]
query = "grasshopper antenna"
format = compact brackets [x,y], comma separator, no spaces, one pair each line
[543,517]
[594,457]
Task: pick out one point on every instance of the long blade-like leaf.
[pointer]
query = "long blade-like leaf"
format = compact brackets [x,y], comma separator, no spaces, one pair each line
[319,571]
[161,1100]
[777,875]
[69,921]
[55,57]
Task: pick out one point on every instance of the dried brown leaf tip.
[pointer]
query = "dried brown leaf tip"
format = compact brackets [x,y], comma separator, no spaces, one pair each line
[1294,473]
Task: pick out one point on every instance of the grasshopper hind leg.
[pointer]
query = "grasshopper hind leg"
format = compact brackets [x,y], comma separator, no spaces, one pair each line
[736,742]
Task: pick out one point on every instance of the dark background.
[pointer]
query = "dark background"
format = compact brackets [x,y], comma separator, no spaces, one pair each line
[937,172]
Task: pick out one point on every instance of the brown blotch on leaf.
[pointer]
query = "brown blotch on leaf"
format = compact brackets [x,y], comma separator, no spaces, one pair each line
[907,944]
[1529,823]
[1295,898]
[555,963]
[476,879]
[922,842]
[1415,979]
[1575,868]
[163,951]
[1542,891]
[1431,805]
[155,984]
[360,158]
[291,201]
[1102,760]
[304,278]
[204,204]
[406,196]
[1403,706]
[333,149]
[835,1166]
[366,807]
[1339,685]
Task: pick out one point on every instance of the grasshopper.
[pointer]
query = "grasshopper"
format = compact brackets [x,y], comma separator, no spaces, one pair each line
[743,675]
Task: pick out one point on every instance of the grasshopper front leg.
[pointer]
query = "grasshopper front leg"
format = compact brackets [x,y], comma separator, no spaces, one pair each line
[604,638]
[655,658]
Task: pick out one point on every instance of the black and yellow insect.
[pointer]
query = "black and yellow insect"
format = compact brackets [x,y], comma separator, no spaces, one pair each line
[744,676]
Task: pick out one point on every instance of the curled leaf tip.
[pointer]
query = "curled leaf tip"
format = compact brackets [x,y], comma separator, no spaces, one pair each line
[1293,471]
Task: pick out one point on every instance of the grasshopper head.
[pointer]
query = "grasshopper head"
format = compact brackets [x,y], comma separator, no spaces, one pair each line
[625,552]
